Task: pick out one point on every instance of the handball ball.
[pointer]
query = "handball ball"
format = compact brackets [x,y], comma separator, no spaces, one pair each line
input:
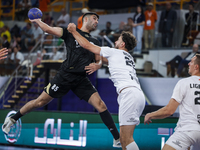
[34,13]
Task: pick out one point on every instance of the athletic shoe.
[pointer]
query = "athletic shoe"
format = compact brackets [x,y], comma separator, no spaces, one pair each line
[116,143]
[7,124]
[163,63]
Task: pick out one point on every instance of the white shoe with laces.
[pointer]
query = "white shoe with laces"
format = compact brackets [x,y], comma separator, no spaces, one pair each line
[7,124]
[116,143]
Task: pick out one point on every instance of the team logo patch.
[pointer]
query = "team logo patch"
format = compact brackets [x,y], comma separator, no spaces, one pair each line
[15,130]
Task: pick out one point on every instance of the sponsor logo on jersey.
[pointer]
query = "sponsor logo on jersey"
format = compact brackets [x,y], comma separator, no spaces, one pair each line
[177,143]
[15,129]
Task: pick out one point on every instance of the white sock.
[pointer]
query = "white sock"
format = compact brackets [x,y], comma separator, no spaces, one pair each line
[132,146]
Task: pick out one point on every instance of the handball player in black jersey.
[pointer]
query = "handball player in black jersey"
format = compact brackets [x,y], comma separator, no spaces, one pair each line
[72,75]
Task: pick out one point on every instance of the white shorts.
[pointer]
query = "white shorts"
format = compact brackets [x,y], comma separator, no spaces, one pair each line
[181,140]
[131,104]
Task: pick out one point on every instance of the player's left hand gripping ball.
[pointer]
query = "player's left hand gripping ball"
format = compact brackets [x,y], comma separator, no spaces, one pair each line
[34,13]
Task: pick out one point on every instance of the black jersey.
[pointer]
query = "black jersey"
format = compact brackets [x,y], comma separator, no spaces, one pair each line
[77,57]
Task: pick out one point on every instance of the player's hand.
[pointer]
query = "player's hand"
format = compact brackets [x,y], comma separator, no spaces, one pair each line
[91,68]
[71,27]
[35,20]
[147,119]
[3,53]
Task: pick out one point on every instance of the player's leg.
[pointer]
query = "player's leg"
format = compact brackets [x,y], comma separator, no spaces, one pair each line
[167,147]
[181,140]
[131,104]
[54,89]
[96,101]
[126,137]
[85,90]
[105,115]
[41,101]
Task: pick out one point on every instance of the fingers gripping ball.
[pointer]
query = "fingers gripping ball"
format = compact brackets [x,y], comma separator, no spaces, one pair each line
[34,13]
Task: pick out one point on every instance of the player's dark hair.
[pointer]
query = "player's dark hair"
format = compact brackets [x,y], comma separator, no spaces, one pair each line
[129,40]
[89,13]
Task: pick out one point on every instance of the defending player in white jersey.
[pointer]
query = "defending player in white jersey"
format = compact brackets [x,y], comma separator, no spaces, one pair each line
[121,66]
[186,95]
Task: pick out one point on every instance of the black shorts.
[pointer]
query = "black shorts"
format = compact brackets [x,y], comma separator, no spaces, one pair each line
[80,85]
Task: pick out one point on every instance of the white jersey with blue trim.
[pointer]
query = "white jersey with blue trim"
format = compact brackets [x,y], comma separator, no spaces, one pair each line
[121,67]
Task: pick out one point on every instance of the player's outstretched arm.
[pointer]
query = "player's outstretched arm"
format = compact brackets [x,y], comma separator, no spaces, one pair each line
[3,53]
[83,41]
[57,31]
[163,112]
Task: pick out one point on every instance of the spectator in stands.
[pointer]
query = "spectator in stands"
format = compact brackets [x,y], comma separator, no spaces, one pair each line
[37,35]
[190,23]
[64,19]
[1,30]
[15,30]
[49,20]
[167,25]
[23,8]
[1,26]
[117,32]
[129,25]
[16,59]
[80,21]
[45,56]
[40,57]
[138,27]
[149,26]
[56,54]
[43,5]
[179,63]
[106,31]
[24,4]
[5,44]
[16,41]
[26,35]
[6,32]
[38,60]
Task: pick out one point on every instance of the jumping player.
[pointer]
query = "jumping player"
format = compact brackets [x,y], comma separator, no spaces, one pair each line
[186,95]
[121,66]
[71,76]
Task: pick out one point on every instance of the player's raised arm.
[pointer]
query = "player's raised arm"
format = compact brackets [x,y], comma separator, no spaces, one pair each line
[83,41]
[3,53]
[57,31]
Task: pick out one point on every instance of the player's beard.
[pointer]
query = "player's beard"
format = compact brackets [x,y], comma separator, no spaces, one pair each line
[91,26]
